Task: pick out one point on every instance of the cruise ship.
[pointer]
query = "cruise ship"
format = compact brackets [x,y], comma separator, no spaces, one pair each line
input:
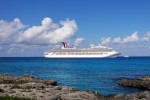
[92,51]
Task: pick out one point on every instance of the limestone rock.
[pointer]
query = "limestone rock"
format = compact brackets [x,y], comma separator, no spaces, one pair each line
[141,83]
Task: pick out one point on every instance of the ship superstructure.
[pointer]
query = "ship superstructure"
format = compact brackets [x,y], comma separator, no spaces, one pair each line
[90,52]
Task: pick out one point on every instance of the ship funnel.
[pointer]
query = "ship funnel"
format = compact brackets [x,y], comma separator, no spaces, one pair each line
[65,45]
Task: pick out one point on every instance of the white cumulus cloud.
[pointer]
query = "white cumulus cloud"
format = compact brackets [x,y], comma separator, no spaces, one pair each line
[9,29]
[132,38]
[129,39]
[117,40]
[146,37]
[48,32]
[78,41]
[105,41]
[132,44]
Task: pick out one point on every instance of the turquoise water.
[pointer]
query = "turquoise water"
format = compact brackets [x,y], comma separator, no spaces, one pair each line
[100,75]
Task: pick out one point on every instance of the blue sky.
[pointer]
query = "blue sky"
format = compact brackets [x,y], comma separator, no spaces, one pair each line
[121,24]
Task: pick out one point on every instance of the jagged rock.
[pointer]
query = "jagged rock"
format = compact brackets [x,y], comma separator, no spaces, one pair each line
[1,90]
[34,85]
[138,96]
[141,83]
[7,79]
[68,89]
[145,78]
[79,96]
[57,88]
[51,82]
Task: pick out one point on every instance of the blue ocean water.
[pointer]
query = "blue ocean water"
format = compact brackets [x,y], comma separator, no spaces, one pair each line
[100,75]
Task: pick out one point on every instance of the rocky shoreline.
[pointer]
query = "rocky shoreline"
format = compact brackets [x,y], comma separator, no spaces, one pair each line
[141,83]
[26,86]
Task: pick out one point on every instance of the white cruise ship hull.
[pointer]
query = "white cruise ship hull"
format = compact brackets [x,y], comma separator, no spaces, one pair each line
[111,54]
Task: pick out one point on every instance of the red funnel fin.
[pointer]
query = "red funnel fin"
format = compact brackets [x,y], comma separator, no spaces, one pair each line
[67,45]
